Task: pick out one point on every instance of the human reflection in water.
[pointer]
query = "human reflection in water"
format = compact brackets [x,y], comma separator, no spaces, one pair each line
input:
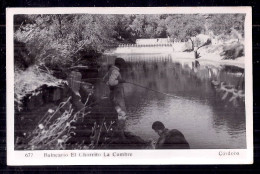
[169,139]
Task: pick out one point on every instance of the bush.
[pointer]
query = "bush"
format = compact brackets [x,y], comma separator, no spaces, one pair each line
[233,51]
[61,40]
[22,58]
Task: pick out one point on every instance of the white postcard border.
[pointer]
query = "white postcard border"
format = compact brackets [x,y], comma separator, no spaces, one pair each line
[138,157]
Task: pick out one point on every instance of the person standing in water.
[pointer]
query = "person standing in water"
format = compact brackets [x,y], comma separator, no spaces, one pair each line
[115,82]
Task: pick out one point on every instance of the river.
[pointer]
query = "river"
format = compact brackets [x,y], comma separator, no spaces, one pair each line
[207,118]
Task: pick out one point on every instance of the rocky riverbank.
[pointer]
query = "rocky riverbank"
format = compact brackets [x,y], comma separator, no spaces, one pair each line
[53,113]
[228,52]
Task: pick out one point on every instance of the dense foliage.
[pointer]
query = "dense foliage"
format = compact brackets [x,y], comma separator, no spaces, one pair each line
[63,40]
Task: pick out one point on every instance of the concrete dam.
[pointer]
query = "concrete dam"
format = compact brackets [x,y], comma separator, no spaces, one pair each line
[152,46]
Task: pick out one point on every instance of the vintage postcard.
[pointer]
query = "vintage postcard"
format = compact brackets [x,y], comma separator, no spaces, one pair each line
[115,86]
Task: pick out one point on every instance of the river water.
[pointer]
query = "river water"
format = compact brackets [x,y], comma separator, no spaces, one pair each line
[207,118]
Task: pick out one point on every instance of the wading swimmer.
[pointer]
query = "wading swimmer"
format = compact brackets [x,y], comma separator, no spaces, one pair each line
[115,82]
[169,139]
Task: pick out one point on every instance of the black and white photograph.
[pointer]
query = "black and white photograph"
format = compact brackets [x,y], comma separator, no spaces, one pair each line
[149,82]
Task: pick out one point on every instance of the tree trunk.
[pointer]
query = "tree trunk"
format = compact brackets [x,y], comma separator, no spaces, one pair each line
[192,45]
[60,30]
[196,54]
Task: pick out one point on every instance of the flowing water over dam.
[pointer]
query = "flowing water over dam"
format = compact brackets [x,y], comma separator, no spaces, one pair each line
[208,117]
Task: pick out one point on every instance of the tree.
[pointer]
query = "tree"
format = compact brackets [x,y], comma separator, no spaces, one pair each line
[62,40]
[138,26]
[122,28]
[225,23]
[148,26]
[185,27]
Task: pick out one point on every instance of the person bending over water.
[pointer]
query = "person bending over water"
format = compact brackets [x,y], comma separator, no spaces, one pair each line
[169,139]
[115,82]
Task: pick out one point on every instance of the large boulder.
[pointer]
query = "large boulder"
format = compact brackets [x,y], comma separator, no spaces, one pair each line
[232,51]
[34,100]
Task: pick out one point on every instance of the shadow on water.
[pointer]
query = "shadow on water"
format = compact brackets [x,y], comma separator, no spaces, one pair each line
[204,111]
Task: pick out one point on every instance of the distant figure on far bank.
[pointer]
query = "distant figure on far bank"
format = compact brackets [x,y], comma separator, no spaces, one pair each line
[115,82]
[169,139]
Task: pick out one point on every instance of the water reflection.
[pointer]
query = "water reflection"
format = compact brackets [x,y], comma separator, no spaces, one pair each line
[206,119]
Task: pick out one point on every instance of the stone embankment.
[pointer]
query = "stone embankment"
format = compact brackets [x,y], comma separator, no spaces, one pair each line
[151,48]
[92,129]
[34,105]
[54,94]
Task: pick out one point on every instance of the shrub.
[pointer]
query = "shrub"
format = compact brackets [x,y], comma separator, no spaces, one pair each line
[233,51]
